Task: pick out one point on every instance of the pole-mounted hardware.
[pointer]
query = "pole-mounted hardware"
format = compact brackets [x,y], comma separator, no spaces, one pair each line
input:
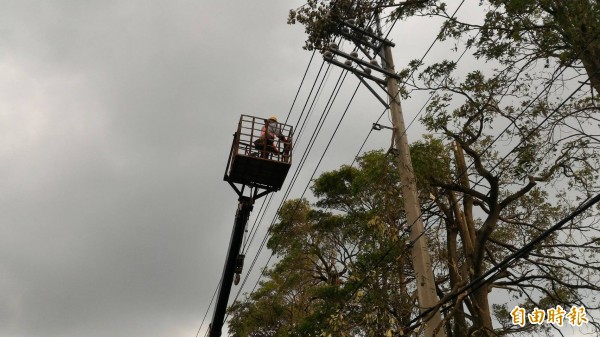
[378,127]
[364,40]
[371,44]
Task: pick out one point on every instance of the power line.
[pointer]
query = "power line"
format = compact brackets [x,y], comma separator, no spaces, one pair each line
[303,159]
[319,125]
[413,120]
[298,169]
[314,171]
[509,125]
[309,146]
[301,128]
[425,313]
[300,86]
[312,142]
[504,264]
[293,103]
[207,310]
[297,93]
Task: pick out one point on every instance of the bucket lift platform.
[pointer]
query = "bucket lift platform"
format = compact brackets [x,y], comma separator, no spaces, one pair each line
[259,166]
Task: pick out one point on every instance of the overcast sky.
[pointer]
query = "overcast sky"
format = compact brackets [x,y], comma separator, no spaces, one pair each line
[116,120]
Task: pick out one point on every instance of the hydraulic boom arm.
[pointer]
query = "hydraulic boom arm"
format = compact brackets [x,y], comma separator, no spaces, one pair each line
[241,219]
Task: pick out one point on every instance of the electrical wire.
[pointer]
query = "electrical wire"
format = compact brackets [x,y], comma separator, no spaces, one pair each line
[312,176]
[293,103]
[304,157]
[506,128]
[206,314]
[300,86]
[504,264]
[298,138]
[504,158]
[303,160]
[299,168]
[312,142]
[297,141]
[386,109]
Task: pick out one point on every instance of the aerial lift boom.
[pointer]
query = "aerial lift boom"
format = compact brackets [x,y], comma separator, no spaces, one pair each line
[241,219]
[259,170]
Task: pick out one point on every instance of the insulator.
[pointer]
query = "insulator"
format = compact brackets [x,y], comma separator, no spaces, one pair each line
[354,54]
[368,71]
[333,46]
[346,30]
[374,62]
[352,22]
[348,62]
[328,55]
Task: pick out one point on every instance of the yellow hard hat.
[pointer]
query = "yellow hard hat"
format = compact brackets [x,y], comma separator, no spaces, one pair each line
[273,118]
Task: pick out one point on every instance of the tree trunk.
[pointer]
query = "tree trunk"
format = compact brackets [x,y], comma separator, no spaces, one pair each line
[482,318]
[592,67]
[460,322]
[473,249]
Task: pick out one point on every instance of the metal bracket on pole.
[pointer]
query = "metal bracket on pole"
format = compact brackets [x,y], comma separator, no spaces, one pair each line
[385,104]
[359,41]
[382,47]
[365,63]
[369,34]
[354,70]
[360,38]
[378,127]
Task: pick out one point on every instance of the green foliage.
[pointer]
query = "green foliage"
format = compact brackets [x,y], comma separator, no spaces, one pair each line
[321,19]
[430,161]
[526,31]
[343,269]
[343,273]
[371,190]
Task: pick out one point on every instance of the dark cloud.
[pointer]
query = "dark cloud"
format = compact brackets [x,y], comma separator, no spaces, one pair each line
[116,125]
[116,120]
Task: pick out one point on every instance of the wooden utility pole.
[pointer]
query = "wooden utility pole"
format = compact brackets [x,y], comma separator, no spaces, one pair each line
[420,254]
[371,45]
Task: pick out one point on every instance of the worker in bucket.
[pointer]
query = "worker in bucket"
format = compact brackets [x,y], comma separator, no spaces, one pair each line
[266,142]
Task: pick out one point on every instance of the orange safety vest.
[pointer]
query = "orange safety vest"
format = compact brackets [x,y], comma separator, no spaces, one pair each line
[263,133]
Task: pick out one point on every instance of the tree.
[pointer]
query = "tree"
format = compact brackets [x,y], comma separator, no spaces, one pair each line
[500,200]
[523,152]
[565,33]
[321,19]
[342,267]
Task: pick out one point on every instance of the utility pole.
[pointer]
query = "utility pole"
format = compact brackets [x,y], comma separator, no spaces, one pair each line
[367,42]
[420,254]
